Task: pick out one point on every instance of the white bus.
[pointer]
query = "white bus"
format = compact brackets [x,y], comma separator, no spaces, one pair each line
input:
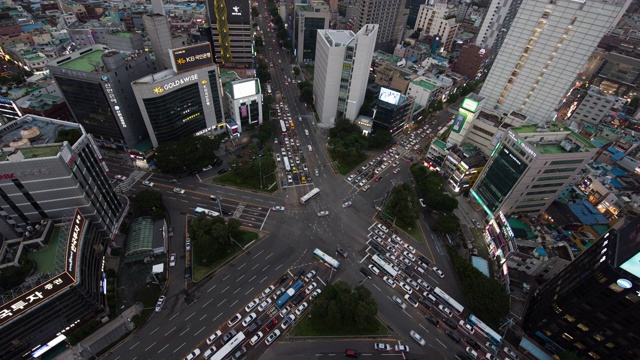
[229,347]
[207,212]
[285,160]
[383,265]
[335,264]
[313,193]
[283,127]
[456,307]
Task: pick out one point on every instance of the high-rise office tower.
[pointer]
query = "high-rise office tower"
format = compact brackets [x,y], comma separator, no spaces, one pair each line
[307,19]
[497,23]
[592,306]
[529,168]
[414,7]
[231,26]
[436,19]
[96,82]
[343,59]
[546,46]
[159,32]
[387,14]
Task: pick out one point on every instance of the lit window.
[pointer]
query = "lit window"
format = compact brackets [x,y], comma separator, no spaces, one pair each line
[583,327]
[567,337]
[569,318]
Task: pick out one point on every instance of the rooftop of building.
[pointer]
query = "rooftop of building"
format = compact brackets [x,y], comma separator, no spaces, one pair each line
[439,143]
[85,62]
[32,136]
[304,7]
[339,37]
[553,146]
[493,118]
[424,83]
[159,76]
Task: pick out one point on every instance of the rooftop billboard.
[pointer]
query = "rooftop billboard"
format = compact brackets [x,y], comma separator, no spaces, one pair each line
[389,96]
[191,57]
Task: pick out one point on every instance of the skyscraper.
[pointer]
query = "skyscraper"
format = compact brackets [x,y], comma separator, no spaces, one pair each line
[387,14]
[592,306]
[231,26]
[435,19]
[546,46]
[414,7]
[307,19]
[343,59]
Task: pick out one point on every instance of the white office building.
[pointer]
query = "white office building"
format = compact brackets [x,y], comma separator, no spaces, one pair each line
[546,46]
[593,108]
[343,59]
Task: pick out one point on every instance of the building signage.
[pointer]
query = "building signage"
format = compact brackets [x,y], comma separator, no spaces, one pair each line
[523,145]
[205,91]
[75,233]
[236,11]
[24,173]
[110,94]
[191,57]
[116,109]
[182,81]
[469,104]
[459,121]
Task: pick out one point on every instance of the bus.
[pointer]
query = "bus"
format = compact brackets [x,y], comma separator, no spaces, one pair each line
[229,347]
[293,127]
[283,127]
[282,300]
[454,305]
[383,265]
[285,160]
[310,195]
[485,330]
[326,259]
[207,212]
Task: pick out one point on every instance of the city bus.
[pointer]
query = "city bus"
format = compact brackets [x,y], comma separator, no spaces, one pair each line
[310,195]
[229,347]
[282,300]
[326,259]
[285,160]
[383,265]
[485,330]
[283,127]
[207,212]
[454,305]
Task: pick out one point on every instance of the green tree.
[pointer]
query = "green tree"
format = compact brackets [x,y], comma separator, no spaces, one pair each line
[340,307]
[634,102]
[254,11]
[447,224]
[381,139]
[453,98]
[306,95]
[296,70]
[259,42]
[187,154]
[403,205]
[147,201]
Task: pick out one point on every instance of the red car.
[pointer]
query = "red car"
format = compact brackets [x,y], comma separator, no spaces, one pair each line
[271,325]
[378,178]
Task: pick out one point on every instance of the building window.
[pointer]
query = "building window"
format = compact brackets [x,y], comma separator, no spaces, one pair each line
[561,170]
[566,162]
[583,327]
[567,337]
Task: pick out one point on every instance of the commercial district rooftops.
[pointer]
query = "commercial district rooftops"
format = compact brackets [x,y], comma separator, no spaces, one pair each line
[33,137]
[553,139]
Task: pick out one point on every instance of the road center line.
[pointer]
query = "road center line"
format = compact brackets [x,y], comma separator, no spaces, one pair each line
[441,343]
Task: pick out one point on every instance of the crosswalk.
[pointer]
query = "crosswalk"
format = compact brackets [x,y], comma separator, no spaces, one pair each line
[125,185]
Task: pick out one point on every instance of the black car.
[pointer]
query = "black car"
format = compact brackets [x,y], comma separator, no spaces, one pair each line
[432,319]
[342,252]
[300,273]
[377,247]
[426,303]
[455,337]
[255,326]
[222,171]
[472,342]
[450,323]
[424,260]
[297,299]
[365,272]
[240,353]
[228,336]
[283,279]
[408,271]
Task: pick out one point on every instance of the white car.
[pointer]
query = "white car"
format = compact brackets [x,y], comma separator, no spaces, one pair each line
[403,348]
[424,284]
[178,191]
[234,320]
[465,325]
[438,271]
[315,294]
[209,353]
[405,287]
[413,284]
[383,228]
[147,183]
[264,305]
[301,308]
[351,177]
[251,305]
[411,300]
[306,132]
[257,337]
[160,303]
[120,177]
[395,238]
[172,260]
[471,352]
[381,347]
[510,353]
[445,310]
[323,213]
[249,319]
[277,208]
[374,269]
[422,203]
[346,204]
[272,337]
[389,281]
[309,148]
[193,355]
[399,302]
[310,275]
[213,337]
[288,321]
[410,248]
[268,290]
[417,338]
[406,261]
[380,233]
[409,255]
[310,288]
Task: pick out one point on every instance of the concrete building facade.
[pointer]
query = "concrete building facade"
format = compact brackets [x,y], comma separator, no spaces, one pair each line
[307,20]
[387,14]
[438,19]
[244,104]
[593,108]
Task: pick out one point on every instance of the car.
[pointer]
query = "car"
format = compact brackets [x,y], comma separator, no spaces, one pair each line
[346,204]
[399,302]
[290,179]
[172,260]
[475,222]
[187,244]
[383,228]
[265,304]
[213,337]
[432,319]
[410,248]
[309,148]
[207,168]
[272,337]
[310,275]
[277,208]
[422,203]
[278,158]
[378,239]
[306,132]
[403,348]
[438,271]
[305,168]
[491,347]
[465,325]
[471,352]
[411,300]
[252,304]
[365,188]
[255,326]
[406,261]
[268,290]
[417,338]
[396,170]
[288,321]
[316,172]
[160,303]
[170,230]
[377,178]
[120,177]
[361,183]
[271,325]
[323,213]
[147,183]
[445,310]
[351,353]
[374,269]
[310,288]
[249,319]
[194,354]
[490,356]
[209,353]
[315,294]
[405,287]
[223,171]
[389,281]
[510,353]
[413,284]
[474,344]
[395,239]
[424,284]
[228,336]
[301,308]
[381,347]
[234,320]
[379,233]
[409,255]
[178,191]
[257,337]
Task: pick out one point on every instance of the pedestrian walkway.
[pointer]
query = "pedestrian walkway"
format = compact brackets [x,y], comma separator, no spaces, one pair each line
[103,337]
[125,185]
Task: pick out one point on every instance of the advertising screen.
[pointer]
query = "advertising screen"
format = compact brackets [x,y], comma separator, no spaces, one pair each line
[389,96]
[470,105]
[243,110]
[191,57]
[628,249]
[238,11]
[244,89]
[458,122]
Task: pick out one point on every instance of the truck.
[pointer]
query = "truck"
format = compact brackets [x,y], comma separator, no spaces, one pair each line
[289,293]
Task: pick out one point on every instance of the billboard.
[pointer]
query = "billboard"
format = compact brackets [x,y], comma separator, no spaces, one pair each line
[469,104]
[458,121]
[389,96]
[244,89]
[238,11]
[628,248]
[191,57]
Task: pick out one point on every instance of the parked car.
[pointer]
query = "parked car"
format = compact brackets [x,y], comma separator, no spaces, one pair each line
[323,213]
[172,260]
[381,347]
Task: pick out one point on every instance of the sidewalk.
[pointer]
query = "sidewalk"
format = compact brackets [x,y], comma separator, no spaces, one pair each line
[104,337]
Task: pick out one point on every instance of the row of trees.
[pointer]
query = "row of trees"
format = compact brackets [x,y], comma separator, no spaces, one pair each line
[211,238]
[148,202]
[306,92]
[429,185]
[280,30]
[403,205]
[191,153]
[342,309]
[254,169]
[347,144]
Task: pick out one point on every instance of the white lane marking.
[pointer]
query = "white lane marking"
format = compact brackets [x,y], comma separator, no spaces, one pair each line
[441,343]
[247,293]
[198,331]
[169,332]
[147,349]
[207,303]
[174,351]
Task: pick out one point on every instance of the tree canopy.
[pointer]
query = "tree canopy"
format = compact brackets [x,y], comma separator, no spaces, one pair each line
[149,202]
[403,205]
[447,224]
[188,154]
[340,307]
[429,184]
[346,142]
[210,237]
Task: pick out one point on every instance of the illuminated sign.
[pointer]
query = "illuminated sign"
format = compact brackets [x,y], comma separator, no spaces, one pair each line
[523,145]
[75,232]
[389,96]
[8,176]
[236,11]
[624,283]
[191,57]
[205,91]
[116,109]
[110,93]
[479,200]
[182,81]
[469,104]
[459,121]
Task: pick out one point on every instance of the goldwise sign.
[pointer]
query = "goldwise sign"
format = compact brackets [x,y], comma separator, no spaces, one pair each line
[30,299]
[175,83]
